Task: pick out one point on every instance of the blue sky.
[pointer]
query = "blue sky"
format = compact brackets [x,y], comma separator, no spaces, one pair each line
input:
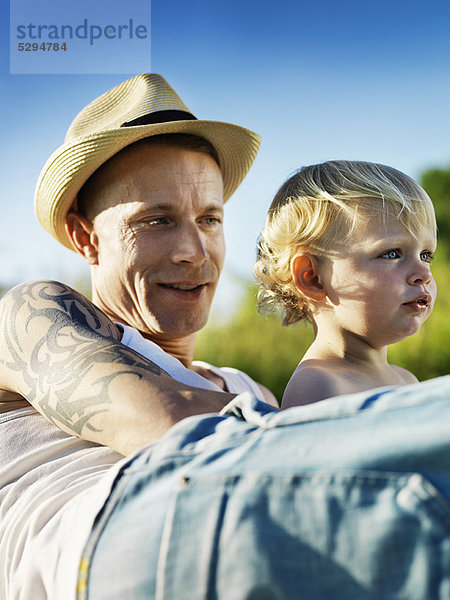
[317,79]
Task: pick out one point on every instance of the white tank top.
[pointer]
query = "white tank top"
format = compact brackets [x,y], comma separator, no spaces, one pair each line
[52,486]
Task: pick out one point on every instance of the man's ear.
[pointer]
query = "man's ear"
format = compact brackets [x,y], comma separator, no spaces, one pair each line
[81,232]
[306,276]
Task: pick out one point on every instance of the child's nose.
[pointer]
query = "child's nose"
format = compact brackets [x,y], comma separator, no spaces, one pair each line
[420,275]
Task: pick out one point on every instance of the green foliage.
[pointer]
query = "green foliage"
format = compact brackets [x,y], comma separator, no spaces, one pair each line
[256,344]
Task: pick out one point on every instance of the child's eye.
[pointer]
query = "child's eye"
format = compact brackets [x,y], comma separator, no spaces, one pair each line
[391,254]
[426,256]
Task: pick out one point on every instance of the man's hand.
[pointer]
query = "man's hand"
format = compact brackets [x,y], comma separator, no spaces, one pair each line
[64,356]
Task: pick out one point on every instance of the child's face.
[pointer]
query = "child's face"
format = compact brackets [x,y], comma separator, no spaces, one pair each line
[380,285]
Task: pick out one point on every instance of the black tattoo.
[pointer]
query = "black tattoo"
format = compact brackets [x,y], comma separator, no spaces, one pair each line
[74,338]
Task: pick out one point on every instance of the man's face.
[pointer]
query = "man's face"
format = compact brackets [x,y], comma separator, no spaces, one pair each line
[160,239]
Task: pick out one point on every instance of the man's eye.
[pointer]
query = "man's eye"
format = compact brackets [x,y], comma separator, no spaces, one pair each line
[391,254]
[156,221]
[426,256]
[212,221]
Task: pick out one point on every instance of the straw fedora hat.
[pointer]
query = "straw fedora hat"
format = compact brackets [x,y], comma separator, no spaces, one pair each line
[143,106]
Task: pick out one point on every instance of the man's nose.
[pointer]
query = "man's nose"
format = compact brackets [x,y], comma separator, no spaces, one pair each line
[190,246]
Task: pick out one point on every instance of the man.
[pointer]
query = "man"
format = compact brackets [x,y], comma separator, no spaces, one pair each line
[143,205]
[138,191]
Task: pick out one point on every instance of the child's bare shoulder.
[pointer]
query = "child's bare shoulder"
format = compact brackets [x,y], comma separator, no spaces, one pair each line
[312,381]
[405,375]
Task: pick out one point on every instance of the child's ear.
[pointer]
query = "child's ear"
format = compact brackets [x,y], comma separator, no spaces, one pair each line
[80,231]
[306,275]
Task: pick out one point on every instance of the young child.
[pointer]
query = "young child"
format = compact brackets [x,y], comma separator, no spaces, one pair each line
[348,246]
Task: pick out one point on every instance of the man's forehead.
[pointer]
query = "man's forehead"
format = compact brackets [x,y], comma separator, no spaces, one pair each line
[145,157]
[153,147]
[161,157]
[159,177]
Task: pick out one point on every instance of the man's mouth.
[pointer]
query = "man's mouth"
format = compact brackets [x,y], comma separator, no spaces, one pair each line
[184,287]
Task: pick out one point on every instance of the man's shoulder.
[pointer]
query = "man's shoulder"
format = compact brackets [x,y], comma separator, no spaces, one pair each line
[237,381]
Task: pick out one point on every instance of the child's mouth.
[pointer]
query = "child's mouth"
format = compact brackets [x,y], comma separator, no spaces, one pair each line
[420,303]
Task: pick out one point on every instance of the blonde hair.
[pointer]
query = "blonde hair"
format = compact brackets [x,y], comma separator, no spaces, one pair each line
[318,207]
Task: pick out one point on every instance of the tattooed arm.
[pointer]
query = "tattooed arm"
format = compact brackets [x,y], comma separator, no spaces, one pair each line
[63,355]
